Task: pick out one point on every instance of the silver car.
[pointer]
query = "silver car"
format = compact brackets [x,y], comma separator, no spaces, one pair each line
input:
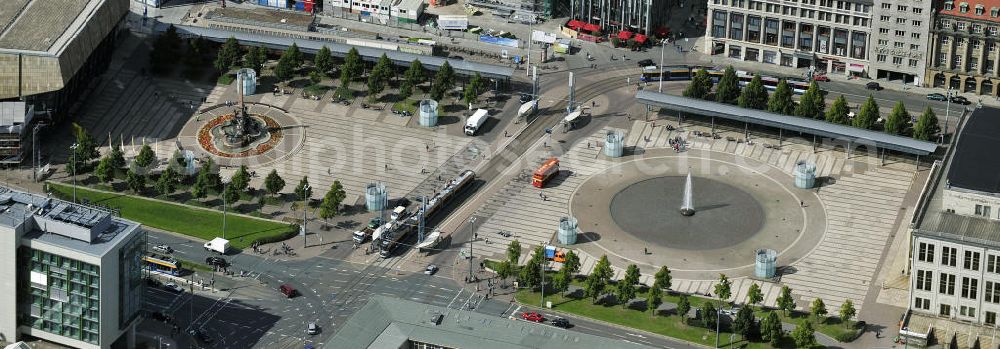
[312,329]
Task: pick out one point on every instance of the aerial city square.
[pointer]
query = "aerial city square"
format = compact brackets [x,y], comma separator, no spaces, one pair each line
[305,174]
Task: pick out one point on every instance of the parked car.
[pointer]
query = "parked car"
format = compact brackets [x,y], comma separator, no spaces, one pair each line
[646,63]
[960,100]
[312,329]
[873,86]
[560,322]
[287,290]
[937,97]
[216,261]
[525,98]
[200,336]
[731,311]
[170,286]
[821,78]
[161,248]
[431,269]
[532,316]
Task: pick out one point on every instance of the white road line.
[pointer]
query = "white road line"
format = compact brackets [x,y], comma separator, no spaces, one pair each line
[456,297]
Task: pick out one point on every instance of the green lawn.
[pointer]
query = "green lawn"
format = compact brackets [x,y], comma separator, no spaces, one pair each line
[409,105]
[191,265]
[200,223]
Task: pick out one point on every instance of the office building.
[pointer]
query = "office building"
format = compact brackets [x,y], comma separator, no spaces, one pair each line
[963,47]
[70,274]
[830,36]
[637,16]
[900,34]
[955,251]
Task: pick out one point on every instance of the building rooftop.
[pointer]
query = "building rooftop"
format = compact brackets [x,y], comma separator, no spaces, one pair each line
[263,17]
[37,25]
[407,4]
[959,228]
[987,5]
[386,322]
[81,228]
[975,164]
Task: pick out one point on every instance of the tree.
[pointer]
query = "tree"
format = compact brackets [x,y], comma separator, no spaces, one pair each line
[86,149]
[632,275]
[598,279]
[724,289]
[838,111]
[352,67]
[754,295]
[781,100]
[444,81]
[273,183]
[200,187]
[709,315]
[414,76]
[785,301]
[811,103]
[167,182]
[868,114]
[529,274]
[770,328]
[379,76]
[896,122]
[323,60]
[331,202]
[105,171]
[683,307]
[164,49]
[662,278]
[146,157]
[117,158]
[300,190]
[654,297]
[754,95]
[818,309]
[728,89]
[240,179]
[625,292]
[255,58]
[847,312]
[514,252]
[561,281]
[212,178]
[804,335]
[135,181]
[572,263]
[504,269]
[229,55]
[230,194]
[700,86]
[315,76]
[285,68]
[343,91]
[927,126]
[472,89]
[745,323]
[295,55]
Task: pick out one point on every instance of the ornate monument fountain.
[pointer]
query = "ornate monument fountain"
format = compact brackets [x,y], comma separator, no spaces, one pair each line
[242,130]
[687,206]
[241,133]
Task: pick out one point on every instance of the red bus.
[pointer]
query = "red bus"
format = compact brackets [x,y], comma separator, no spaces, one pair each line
[544,173]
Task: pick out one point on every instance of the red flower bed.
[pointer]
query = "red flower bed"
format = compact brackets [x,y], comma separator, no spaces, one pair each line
[205,137]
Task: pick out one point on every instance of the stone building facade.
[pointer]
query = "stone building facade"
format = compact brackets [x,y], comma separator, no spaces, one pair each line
[963,47]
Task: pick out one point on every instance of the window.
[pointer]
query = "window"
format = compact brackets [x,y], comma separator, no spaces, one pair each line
[914,47]
[897,60]
[977,28]
[944,40]
[901,8]
[980,10]
[924,279]
[921,303]
[994,12]
[946,285]
[991,318]
[897,44]
[880,58]
[913,62]
[983,210]
[916,23]
[970,287]
[915,35]
[992,291]
[961,25]
[918,10]
[949,256]
[883,30]
[963,8]
[900,33]
[900,20]
[967,311]
[886,6]
[884,18]
[991,30]
[883,42]
[991,262]
[971,260]
[976,44]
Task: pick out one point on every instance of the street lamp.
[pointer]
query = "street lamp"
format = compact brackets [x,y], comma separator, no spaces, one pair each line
[718,315]
[36,157]
[225,186]
[663,47]
[305,205]
[75,165]
[541,267]
[472,221]
[947,114]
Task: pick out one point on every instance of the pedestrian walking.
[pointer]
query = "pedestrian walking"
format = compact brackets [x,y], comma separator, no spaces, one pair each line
[802,203]
[387,167]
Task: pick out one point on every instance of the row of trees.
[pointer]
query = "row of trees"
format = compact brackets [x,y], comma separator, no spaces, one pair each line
[812,104]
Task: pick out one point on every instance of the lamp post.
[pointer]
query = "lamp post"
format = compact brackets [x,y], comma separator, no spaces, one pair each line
[75,165]
[718,315]
[36,157]
[541,268]
[663,47]
[224,204]
[305,207]
[947,114]
[472,221]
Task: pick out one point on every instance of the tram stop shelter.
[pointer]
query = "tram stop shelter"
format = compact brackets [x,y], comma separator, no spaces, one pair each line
[851,137]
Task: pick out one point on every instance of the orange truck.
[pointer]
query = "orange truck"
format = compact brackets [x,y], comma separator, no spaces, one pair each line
[545,172]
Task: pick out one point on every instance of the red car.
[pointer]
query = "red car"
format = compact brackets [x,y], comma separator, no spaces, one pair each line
[532,316]
[820,78]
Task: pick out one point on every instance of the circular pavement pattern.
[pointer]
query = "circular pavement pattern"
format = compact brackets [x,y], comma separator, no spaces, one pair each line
[650,210]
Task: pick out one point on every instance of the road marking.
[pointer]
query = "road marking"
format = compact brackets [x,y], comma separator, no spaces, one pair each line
[456,297]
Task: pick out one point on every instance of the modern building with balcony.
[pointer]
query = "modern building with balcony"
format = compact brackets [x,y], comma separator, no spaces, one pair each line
[963,47]
[70,274]
[900,30]
[829,36]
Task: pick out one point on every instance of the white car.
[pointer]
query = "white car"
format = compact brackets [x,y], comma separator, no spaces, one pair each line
[161,248]
[170,286]
[431,269]
[311,328]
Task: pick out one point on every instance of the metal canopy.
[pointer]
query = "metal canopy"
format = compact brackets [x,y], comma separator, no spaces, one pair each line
[792,123]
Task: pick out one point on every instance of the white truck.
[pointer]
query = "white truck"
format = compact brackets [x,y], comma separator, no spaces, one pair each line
[217,245]
[398,213]
[476,121]
[362,236]
[453,22]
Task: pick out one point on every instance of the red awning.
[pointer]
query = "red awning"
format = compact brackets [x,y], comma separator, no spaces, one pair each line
[640,38]
[662,31]
[624,35]
[591,27]
[574,24]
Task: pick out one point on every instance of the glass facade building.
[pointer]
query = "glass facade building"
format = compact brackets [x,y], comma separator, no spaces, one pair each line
[62,294]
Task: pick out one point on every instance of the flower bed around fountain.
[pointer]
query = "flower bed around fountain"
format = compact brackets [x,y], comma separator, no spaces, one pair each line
[207,140]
